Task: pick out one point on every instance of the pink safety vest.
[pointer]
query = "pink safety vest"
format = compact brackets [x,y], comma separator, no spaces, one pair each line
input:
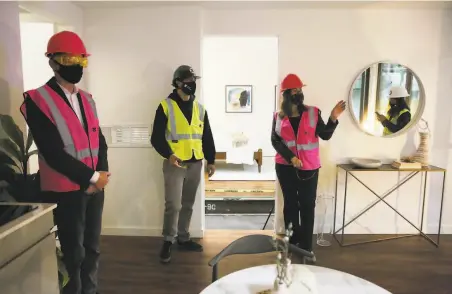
[305,145]
[77,143]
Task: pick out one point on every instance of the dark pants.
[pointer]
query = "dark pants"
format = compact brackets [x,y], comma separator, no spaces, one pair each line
[299,190]
[79,220]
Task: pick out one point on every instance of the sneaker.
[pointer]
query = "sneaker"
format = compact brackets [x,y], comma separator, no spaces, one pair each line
[165,253]
[190,245]
[311,260]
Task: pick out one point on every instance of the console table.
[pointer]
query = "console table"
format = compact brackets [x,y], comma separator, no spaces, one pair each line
[352,170]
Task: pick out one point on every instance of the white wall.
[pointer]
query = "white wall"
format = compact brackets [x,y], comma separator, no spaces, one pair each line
[35,66]
[135,51]
[63,13]
[240,61]
[328,48]
[11,83]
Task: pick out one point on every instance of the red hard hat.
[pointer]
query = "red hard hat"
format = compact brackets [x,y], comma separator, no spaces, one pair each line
[291,81]
[66,42]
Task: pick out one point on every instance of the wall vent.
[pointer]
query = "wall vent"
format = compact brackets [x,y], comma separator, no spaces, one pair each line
[127,136]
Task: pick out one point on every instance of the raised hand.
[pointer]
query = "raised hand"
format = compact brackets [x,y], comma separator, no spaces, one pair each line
[338,110]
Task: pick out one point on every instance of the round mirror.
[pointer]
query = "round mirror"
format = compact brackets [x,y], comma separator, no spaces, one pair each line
[386,99]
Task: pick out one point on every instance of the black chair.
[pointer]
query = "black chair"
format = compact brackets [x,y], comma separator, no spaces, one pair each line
[252,244]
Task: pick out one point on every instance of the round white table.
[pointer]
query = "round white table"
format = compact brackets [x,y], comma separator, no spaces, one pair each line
[306,279]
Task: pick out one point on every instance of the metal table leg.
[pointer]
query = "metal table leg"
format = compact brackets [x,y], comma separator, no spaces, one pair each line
[382,199]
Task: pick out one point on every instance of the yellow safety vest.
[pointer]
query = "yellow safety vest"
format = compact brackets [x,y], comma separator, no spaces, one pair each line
[184,139]
[393,120]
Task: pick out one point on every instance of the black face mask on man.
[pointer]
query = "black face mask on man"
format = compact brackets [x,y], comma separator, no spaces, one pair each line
[189,88]
[71,73]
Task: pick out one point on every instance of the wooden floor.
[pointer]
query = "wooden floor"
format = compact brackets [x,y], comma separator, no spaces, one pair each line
[403,266]
[243,188]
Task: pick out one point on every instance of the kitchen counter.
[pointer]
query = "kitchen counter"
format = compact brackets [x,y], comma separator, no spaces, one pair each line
[28,261]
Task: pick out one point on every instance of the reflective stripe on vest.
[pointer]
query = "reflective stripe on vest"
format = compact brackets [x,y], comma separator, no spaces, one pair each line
[393,120]
[293,143]
[173,135]
[63,128]
[90,101]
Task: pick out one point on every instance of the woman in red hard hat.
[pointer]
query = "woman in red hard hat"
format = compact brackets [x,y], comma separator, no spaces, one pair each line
[295,136]
[73,163]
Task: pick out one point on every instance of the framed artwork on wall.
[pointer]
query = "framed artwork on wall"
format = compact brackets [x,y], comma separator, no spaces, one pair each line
[239,99]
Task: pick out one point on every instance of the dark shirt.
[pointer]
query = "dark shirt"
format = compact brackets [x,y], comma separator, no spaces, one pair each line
[402,122]
[158,137]
[50,145]
[322,130]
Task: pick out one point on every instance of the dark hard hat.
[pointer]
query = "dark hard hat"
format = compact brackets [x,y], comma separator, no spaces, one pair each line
[184,72]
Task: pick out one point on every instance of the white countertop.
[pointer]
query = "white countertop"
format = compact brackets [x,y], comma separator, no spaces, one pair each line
[306,279]
[26,218]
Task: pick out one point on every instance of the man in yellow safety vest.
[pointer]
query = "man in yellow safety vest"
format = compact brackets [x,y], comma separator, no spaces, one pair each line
[182,136]
[398,115]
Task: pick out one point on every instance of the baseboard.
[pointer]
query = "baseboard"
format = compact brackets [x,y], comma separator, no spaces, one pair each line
[431,229]
[445,229]
[142,232]
[157,232]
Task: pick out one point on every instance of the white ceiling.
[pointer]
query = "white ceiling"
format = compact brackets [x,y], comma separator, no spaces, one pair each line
[259,4]
[23,11]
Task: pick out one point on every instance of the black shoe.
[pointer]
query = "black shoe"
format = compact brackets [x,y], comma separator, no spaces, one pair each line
[165,253]
[190,246]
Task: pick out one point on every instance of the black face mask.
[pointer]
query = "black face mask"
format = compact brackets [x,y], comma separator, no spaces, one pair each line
[71,74]
[297,99]
[189,88]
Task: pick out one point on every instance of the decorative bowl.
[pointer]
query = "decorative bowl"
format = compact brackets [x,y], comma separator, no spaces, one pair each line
[366,162]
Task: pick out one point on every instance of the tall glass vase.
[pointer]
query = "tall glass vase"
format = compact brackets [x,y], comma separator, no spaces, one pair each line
[324,207]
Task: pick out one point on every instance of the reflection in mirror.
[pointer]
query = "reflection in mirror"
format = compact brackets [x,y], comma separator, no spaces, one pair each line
[386,99]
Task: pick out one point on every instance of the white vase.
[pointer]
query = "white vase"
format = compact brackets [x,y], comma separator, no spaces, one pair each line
[421,155]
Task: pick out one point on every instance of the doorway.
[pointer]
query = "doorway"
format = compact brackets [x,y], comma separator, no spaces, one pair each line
[35,32]
[239,78]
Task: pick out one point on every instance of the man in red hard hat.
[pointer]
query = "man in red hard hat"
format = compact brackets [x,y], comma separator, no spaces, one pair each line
[73,163]
[295,136]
